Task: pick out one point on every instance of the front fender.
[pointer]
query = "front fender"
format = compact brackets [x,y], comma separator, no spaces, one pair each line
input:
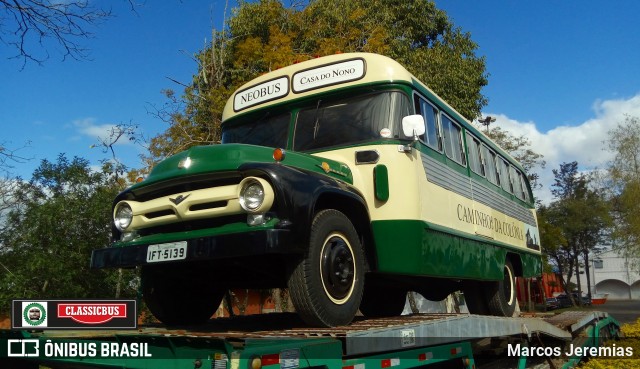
[297,192]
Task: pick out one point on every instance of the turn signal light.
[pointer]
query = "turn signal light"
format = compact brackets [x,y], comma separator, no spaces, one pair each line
[278,154]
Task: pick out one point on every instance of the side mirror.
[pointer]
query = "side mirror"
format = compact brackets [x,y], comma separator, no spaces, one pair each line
[413,126]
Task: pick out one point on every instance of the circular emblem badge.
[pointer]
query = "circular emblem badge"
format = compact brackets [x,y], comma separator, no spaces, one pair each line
[385,133]
[34,314]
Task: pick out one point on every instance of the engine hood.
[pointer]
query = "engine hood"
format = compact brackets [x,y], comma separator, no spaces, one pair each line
[229,157]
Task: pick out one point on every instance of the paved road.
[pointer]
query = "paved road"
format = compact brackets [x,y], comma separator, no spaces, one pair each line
[625,311]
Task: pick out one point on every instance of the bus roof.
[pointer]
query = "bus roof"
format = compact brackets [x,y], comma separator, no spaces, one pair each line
[325,74]
[312,77]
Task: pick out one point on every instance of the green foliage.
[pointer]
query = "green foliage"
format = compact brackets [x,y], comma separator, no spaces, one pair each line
[59,216]
[624,170]
[575,223]
[554,244]
[265,35]
[624,142]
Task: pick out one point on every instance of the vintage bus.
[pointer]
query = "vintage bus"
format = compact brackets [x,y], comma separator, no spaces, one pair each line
[343,178]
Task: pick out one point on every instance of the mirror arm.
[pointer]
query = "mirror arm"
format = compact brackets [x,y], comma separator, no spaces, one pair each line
[408,147]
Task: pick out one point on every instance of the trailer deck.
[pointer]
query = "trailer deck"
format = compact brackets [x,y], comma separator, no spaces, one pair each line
[405,341]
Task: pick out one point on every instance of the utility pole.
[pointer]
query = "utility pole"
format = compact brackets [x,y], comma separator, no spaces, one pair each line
[486,121]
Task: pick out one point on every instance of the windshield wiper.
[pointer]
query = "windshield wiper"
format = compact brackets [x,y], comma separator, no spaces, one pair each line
[316,122]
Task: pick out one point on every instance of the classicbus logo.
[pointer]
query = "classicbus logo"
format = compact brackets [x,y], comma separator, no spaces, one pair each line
[74,314]
[92,313]
[34,314]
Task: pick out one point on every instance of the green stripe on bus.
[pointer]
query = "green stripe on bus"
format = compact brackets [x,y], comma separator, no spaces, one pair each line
[418,248]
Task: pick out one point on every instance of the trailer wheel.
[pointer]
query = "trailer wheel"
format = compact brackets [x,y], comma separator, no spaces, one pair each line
[179,295]
[326,285]
[382,301]
[502,300]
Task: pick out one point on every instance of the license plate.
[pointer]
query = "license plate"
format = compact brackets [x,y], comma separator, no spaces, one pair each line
[167,252]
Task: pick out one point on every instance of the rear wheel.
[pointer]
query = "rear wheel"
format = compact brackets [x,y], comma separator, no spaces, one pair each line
[492,298]
[326,285]
[180,294]
[501,299]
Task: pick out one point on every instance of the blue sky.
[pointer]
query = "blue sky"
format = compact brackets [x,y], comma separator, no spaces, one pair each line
[549,61]
[561,72]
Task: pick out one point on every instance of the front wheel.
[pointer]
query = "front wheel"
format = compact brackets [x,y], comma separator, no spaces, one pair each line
[326,285]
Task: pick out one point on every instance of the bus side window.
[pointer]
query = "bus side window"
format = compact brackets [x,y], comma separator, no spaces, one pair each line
[523,181]
[452,140]
[475,156]
[490,168]
[516,182]
[431,132]
[504,175]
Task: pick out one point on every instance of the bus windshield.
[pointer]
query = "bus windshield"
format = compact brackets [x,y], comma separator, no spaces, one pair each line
[351,120]
[270,131]
[327,123]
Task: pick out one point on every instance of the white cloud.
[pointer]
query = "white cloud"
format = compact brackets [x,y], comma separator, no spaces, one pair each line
[584,143]
[102,132]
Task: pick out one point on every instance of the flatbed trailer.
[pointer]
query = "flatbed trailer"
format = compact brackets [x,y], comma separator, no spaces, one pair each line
[280,340]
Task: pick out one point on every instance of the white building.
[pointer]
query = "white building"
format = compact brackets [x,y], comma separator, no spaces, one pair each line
[613,274]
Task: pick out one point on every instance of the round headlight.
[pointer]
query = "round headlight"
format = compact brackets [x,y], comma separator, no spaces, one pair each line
[123,216]
[251,195]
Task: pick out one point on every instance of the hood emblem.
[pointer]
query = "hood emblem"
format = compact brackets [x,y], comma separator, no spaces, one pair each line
[185,163]
[179,199]
[327,169]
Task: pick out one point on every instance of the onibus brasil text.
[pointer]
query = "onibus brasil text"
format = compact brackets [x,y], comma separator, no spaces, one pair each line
[88,349]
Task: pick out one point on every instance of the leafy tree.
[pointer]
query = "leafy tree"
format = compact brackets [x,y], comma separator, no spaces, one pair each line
[60,215]
[624,142]
[554,244]
[265,35]
[624,170]
[581,214]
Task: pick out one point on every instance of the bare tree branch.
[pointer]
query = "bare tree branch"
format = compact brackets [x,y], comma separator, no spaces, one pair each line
[9,156]
[33,27]
[117,133]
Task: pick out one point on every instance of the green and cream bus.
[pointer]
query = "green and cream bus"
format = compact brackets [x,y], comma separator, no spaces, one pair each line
[343,178]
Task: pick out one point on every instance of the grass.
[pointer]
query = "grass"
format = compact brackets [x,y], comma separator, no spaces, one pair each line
[630,339]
